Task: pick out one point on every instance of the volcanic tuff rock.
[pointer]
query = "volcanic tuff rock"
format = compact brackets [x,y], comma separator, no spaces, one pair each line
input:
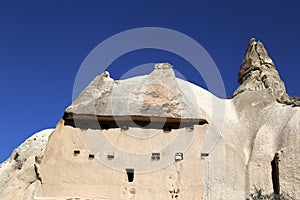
[251,140]
[19,176]
[258,72]
[144,95]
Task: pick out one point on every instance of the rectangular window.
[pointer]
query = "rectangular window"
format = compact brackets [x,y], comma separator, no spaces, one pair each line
[91,156]
[155,156]
[76,152]
[110,156]
[204,154]
[130,174]
[178,156]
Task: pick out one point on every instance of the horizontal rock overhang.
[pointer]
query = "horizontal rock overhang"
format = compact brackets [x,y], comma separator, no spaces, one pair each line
[86,121]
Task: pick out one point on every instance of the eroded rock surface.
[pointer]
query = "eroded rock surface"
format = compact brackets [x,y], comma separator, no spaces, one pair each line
[227,162]
[19,176]
[144,95]
[258,72]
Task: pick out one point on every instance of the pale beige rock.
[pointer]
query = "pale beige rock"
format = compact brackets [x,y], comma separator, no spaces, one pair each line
[227,157]
[18,175]
[67,175]
[157,94]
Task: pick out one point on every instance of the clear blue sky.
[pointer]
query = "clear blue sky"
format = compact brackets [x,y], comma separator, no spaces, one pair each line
[43,43]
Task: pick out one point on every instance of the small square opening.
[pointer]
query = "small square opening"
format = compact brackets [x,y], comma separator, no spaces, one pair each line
[110,156]
[155,156]
[91,156]
[178,156]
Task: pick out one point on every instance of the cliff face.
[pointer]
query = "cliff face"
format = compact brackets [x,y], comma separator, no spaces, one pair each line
[178,153]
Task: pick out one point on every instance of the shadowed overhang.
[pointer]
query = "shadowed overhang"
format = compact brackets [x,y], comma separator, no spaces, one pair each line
[86,121]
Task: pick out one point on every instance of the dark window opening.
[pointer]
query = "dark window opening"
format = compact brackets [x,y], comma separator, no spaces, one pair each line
[130,174]
[155,156]
[86,121]
[76,152]
[91,156]
[204,154]
[275,174]
[110,156]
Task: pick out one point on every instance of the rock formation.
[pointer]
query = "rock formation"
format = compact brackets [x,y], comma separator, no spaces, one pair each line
[258,72]
[144,96]
[19,176]
[160,137]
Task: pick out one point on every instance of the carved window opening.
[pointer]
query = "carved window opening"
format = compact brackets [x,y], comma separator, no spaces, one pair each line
[275,174]
[110,156]
[130,174]
[91,156]
[155,156]
[204,154]
[76,152]
[178,156]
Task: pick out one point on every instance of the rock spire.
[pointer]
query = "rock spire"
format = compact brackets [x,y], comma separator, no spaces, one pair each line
[258,72]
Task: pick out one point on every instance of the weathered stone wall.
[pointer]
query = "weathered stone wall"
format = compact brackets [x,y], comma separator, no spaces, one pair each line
[67,175]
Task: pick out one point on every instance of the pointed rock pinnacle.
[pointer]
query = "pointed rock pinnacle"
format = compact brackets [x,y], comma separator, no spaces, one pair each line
[258,72]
